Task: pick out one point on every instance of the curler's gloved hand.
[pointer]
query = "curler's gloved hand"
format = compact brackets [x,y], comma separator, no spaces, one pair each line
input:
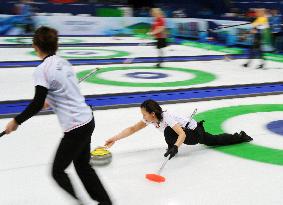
[172,151]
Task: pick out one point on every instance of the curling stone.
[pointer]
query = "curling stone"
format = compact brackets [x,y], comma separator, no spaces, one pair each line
[100,157]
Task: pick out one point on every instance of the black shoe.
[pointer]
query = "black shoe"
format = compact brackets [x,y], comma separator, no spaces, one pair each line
[261,66]
[245,137]
[246,65]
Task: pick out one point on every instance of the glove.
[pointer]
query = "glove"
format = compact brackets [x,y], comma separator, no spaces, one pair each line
[172,152]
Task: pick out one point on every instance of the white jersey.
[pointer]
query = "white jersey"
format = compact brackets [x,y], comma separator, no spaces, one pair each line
[64,97]
[171,120]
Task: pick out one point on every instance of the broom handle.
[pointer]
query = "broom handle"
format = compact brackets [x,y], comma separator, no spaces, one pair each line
[130,60]
[194,112]
[163,165]
[191,117]
[219,27]
[89,74]
[2,134]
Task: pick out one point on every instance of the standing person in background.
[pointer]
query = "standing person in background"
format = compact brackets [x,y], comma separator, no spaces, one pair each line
[56,86]
[158,30]
[275,21]
[259,25]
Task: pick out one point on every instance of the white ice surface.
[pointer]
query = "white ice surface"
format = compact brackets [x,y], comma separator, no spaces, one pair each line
[23,54]
[17,83]
[70,40]
[197,176]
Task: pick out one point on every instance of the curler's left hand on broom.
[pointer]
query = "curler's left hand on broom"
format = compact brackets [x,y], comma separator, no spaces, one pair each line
[171,152]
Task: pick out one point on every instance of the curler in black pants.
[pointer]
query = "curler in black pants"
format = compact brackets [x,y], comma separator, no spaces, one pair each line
[75,147]
[199,135]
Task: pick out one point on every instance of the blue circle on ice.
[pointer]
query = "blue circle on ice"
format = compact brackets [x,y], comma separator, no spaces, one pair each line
[147,75]
[276,127]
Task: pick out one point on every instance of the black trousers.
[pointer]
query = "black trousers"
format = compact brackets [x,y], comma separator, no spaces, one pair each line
[75,147]
[160,43]
[275,38]
[256,50]
[199,135]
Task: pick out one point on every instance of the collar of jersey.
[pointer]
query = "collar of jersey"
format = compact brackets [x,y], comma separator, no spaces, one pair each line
[47,57]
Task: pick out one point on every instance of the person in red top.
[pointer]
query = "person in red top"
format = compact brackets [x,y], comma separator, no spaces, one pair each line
[158,30]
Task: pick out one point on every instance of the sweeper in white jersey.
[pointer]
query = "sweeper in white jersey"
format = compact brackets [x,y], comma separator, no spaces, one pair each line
[56,86]
[177,130]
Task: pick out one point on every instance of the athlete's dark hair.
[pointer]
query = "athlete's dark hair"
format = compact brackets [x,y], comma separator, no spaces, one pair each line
[46,39]
[152,106]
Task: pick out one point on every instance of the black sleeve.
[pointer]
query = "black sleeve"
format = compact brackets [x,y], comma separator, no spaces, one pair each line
[35,106]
